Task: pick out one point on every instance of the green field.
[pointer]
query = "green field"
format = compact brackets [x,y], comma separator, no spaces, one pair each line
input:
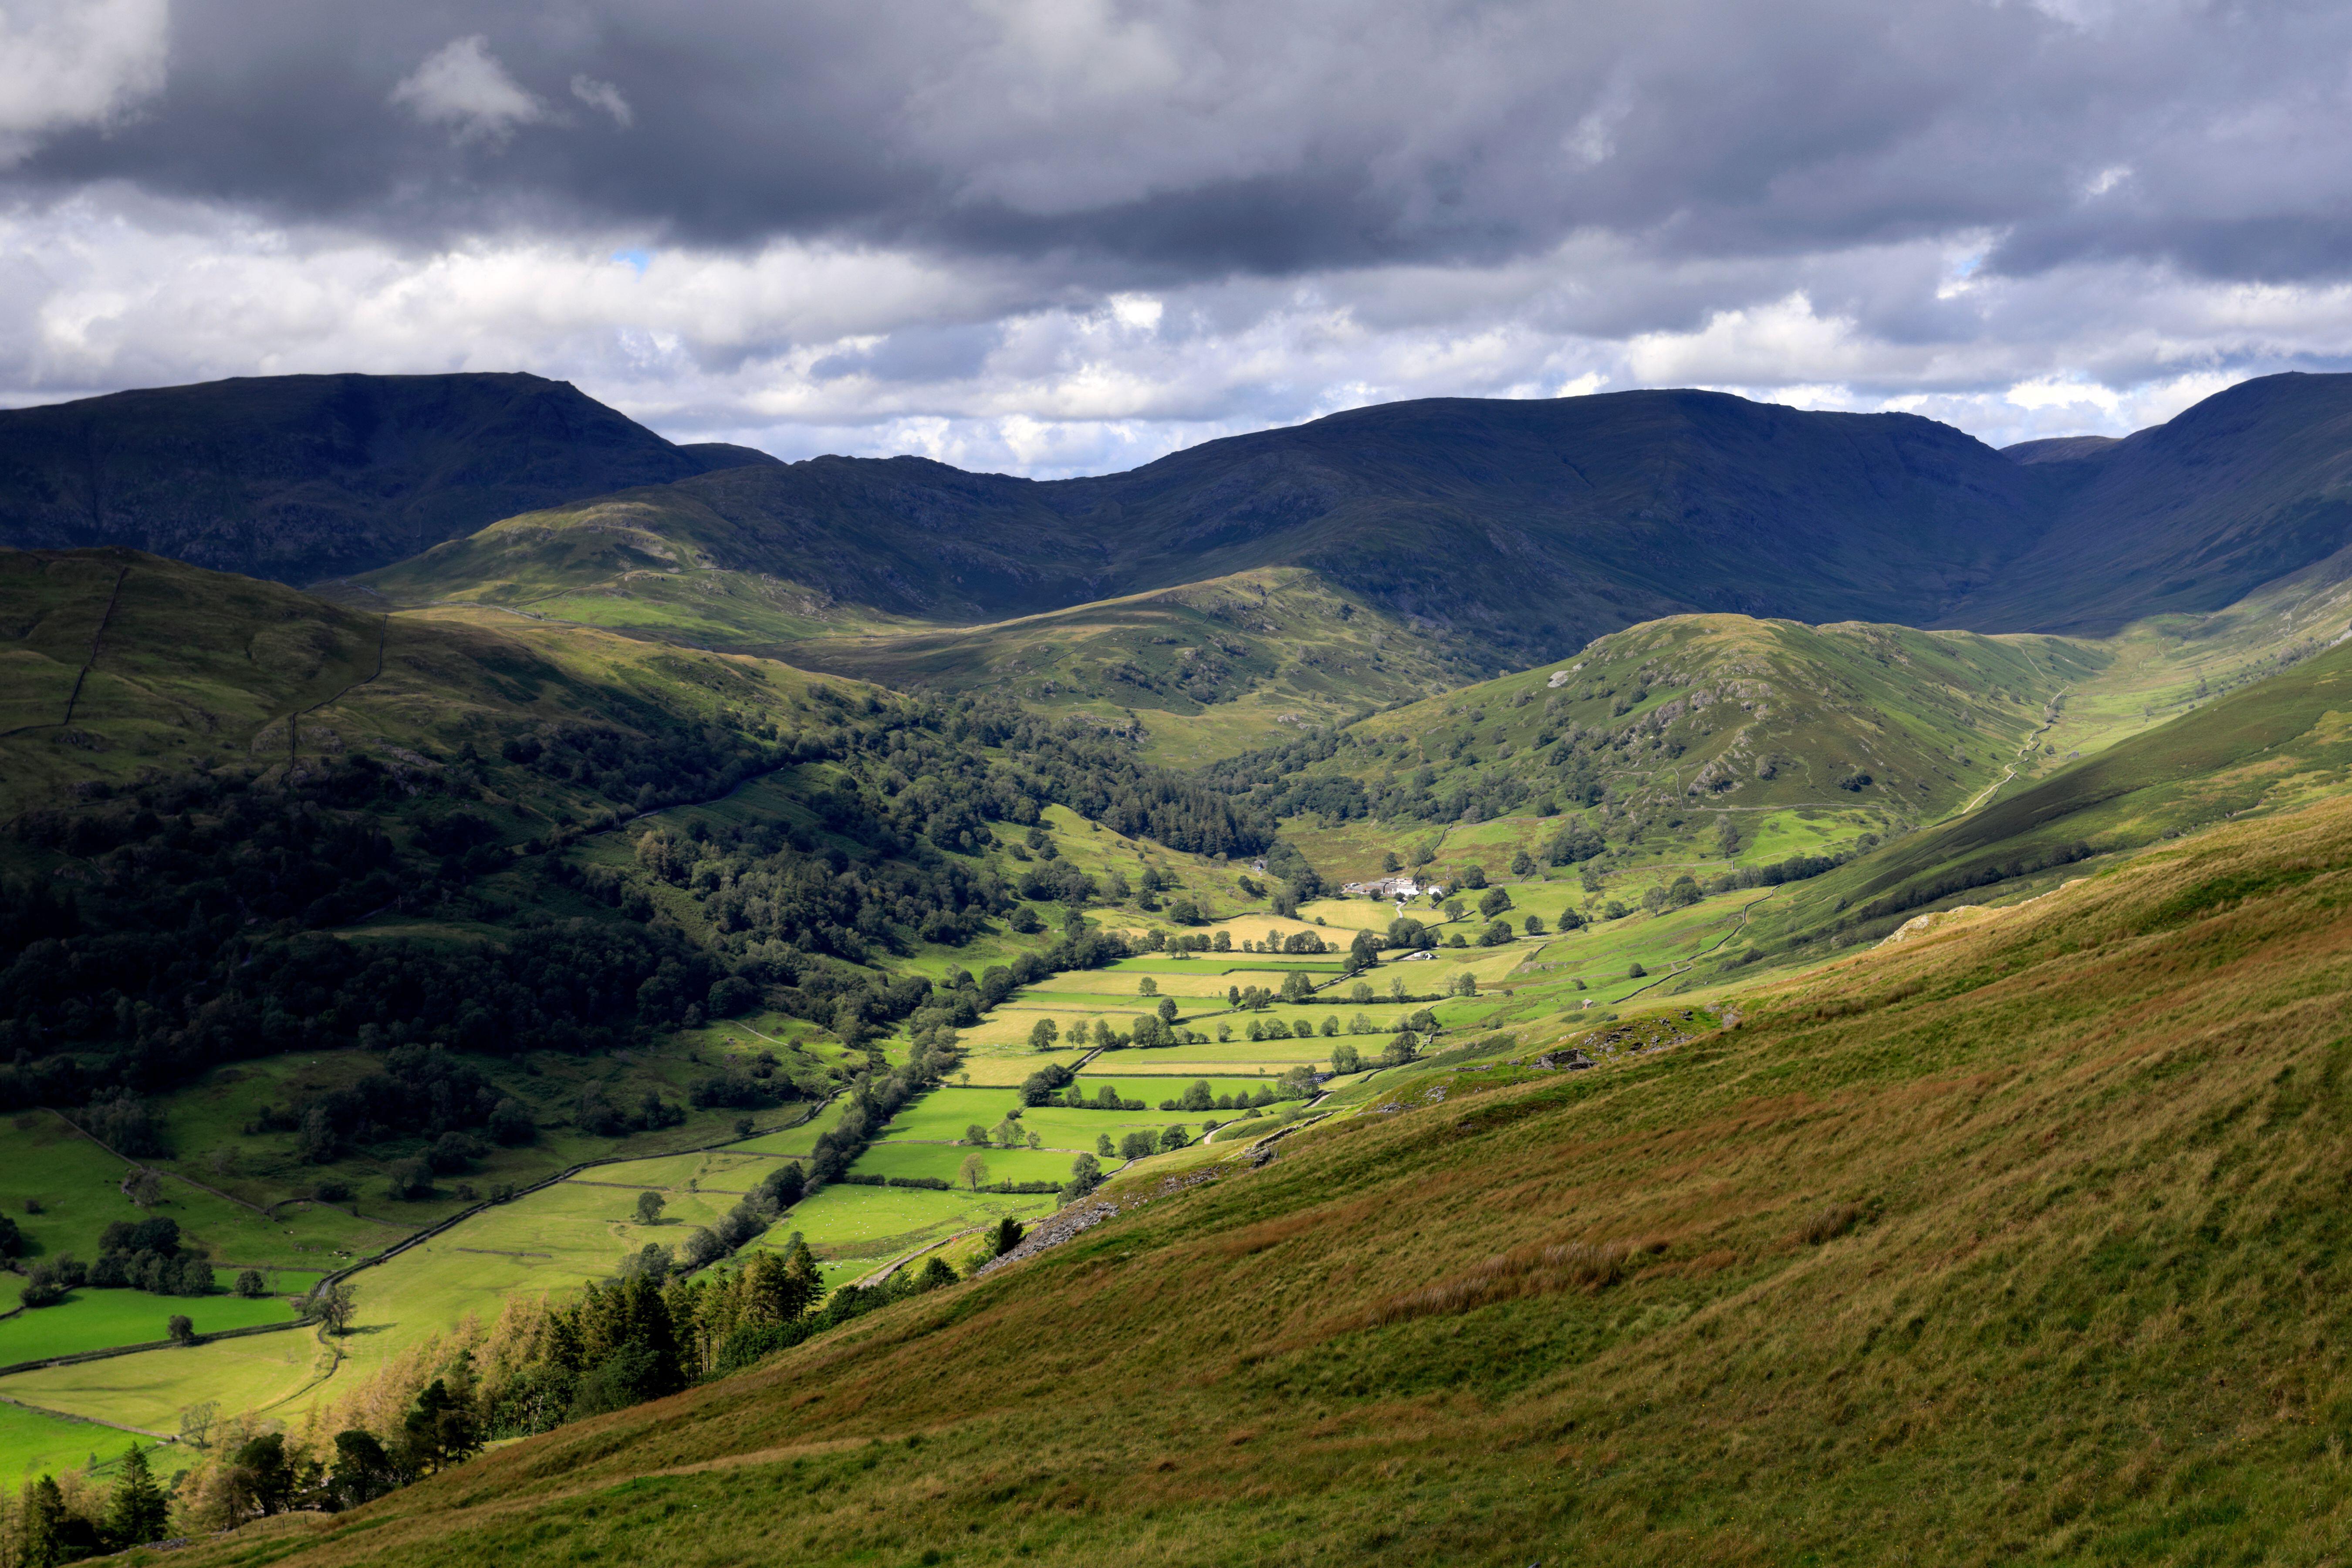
[867,1226]
[33,1442]
[945,1163]
[90,1320]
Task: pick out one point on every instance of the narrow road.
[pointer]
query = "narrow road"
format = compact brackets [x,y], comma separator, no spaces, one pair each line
[2049,718]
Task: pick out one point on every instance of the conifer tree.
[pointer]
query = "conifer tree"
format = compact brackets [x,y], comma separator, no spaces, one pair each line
[137,1512]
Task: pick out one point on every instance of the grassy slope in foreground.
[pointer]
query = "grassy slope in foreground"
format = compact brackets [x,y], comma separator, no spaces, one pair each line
[2023,1242]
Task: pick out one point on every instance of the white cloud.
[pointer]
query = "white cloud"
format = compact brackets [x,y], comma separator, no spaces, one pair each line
[462,86]
[604,95]
[66,63]
[803,348]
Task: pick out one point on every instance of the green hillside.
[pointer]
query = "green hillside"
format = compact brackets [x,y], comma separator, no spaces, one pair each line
[2018,1243]
[1693,740]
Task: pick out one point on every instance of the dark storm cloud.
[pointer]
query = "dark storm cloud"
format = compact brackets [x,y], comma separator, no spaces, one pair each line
[1193,140]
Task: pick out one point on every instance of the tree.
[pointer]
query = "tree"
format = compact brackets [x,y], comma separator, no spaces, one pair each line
[1473,876]
[1522,863]
[1494,902]
[1635,971]
[1104,1147]
[1138,1145]
[1166,1009]
[974,1171]
[144,1187]
[139,1511]
[1173,1137]
[649,1207]
[1345,1061]
[196,1424]
[261,1476]
[1146,986]
[54,1532]
[1042,1034]
[1454,909]
[1007,1236]
[439,1429]
[334,1303]
[363,1469]
[1535,925]
[251,1285]
[1726,835]
[182,1329]
[1389,863]
[1036,1139]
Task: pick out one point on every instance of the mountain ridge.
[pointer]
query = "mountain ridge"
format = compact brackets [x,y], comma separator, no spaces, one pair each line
[300,477]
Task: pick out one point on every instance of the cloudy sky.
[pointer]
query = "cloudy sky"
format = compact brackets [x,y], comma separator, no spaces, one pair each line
[1067,236]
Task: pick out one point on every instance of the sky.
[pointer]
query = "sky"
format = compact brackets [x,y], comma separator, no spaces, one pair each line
[1055,237]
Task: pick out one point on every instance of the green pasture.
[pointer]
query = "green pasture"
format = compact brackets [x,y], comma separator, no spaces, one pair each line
[717,1170]
[943,1114]
[89,1319]
[78,1188]
[1025,1007]
[205,1128]
[265,1373]
[1008,1066]
[1153,1088]
[872,1224]
[945,1161]
[1099,986]
[1232,966]
[800,1140]
[36,1443]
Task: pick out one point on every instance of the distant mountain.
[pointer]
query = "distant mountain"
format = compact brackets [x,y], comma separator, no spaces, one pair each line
[1505,532]
[1514,530]
[304,477]
[2192,515]
[2057,449]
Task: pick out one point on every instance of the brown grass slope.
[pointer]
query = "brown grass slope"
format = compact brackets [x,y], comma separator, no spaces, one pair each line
[2022,1243]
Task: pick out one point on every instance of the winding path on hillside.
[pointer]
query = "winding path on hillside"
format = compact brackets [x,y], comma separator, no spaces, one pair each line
[2049,717]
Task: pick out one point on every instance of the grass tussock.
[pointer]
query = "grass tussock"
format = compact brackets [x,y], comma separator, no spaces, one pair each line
[1829,1224]
[1526,1271]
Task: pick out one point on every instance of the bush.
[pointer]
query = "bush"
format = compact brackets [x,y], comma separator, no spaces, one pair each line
[251,1285]
[455,1152]
[510,1123]
[410,1180]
